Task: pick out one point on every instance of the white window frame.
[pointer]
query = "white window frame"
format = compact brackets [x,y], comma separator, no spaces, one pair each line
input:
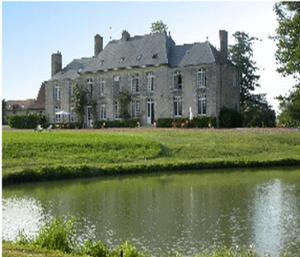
[102,87]
[176,85]
[103,113]
[116,110]
[150,81]
[90,85]
[57,108]
[202,104]
[177,104]
[135,108]
[57,92]
[201,78]
[135,83]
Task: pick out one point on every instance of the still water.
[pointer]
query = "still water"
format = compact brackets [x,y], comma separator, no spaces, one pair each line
[166,213]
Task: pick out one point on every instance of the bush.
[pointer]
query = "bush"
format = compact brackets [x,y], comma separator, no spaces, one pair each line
[95,249]
[132,123]
[196,122]
[56,235]
[230,118]
[126,250]
[27,121]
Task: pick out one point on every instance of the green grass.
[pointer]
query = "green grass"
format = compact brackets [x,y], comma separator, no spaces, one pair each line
[29,156]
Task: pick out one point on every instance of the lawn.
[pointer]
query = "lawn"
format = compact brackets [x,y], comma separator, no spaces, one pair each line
[95,152]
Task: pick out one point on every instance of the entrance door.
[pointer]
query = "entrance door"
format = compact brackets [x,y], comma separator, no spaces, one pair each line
[89,117]
[150,111]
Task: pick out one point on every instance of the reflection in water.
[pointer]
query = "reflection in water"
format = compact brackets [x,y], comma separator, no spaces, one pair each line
[169,213]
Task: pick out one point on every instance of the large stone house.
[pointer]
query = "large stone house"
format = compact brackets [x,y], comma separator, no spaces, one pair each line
[163,80]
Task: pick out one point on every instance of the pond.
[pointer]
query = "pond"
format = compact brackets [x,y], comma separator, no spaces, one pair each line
[185,212]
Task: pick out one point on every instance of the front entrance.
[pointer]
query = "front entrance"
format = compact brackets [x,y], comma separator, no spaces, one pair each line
[150,111]
[89,116]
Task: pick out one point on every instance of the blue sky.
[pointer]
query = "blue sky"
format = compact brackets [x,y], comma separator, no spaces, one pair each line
[31,31]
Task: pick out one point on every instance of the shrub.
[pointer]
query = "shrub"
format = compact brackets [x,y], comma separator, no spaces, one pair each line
[230,118]
[56,235]
[196,122]
[126,250]
[131,123]
[27,121]
[95,249]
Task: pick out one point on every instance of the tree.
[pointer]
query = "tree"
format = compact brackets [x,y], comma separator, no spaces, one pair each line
[4,111]
[290,109]
[257,112]
[158,27]
[288,59]
[287,38]
[124,100]
[241,55]
[80,100]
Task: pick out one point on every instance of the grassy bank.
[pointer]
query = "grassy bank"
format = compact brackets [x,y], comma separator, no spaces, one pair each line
[29,156]
[56,238]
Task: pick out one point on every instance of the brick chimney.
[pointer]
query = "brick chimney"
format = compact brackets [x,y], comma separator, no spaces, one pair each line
[56,63]
[98,44]
[224,43]
[125,35]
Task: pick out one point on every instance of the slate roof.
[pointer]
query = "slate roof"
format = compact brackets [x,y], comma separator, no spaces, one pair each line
[72,69]
[148,50]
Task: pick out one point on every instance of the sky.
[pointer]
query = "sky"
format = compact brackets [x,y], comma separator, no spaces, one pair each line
[32,31]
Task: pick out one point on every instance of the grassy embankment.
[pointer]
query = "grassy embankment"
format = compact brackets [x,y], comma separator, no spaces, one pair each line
[56,238]
[29,156]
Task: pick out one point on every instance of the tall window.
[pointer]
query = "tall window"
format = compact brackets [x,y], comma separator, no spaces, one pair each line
[116,84]
[202,104]
[177,80]
[201,78]
[103,112]
[89,83]
[102,85]
[57,116]
[150,81]
[177,106]
[116,109]
[135,87]
[57,92]
[135,108]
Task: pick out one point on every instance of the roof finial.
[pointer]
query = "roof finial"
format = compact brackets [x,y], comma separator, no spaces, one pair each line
[206,38]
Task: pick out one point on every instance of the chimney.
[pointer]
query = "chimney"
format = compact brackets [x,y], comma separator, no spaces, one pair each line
[56,63]
[98,44]
[224,43]
[125,35]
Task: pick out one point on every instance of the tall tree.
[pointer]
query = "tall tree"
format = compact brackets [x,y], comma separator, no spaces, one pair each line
[3,111]
[158,27]
[288,59]
[241,54]
[288,38]
[80,100]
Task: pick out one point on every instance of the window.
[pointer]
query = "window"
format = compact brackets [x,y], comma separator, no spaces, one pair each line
[135,84]
[71,90]
[102,87]
[57,116]
[122,59]
[116,84]
[155,56]
[116,109]
[177,80]
[139,57]
[202,104]
[235,80]
[89,83]
[150,82]
[103,112]
[201,78]
[135,108]
[177,106]
[57,92]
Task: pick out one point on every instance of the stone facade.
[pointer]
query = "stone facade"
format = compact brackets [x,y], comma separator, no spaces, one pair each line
[203,86]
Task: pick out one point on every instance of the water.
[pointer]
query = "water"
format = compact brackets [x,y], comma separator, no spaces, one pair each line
[167,213]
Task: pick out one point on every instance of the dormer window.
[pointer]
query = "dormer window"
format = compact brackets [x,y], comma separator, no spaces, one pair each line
[122,59]
[139,57]
[102,62]
[155,56]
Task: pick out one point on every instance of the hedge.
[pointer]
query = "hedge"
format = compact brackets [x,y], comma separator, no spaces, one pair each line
[230,118]
[196,122]
[132,123]
[27,121]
